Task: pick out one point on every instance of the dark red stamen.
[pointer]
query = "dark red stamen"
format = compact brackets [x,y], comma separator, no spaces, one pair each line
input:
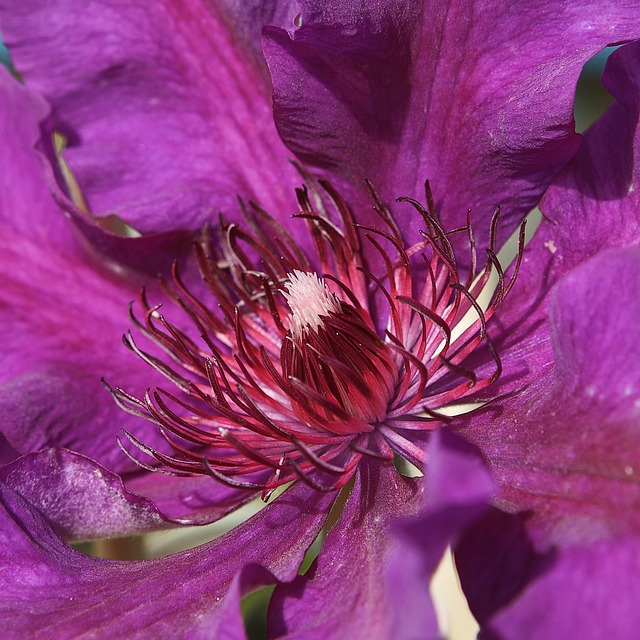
[285,376]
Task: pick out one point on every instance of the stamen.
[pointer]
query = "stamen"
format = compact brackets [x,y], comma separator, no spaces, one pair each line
[286,374]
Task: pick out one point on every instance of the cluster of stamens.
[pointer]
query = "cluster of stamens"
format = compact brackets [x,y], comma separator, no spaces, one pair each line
[296,369]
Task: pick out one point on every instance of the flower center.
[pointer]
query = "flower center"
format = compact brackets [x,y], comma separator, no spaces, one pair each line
[286,375]
[333,350]
[310,302]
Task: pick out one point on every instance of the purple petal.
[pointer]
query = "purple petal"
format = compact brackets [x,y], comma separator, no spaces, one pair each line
[595,203]
[65,320]
[166,108]
[565,447]
[84,500]
[228,623]
[400,92]
[48,588]
[494,560]
[458,489]
[63,316]
[26,203]
[7,452]
[343,593]
[31,204]
[196,500]
[588,593]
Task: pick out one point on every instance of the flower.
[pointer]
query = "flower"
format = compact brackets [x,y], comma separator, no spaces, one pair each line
[349,83]
[300,377]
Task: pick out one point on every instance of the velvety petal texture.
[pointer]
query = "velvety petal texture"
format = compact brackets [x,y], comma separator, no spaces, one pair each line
[476,97]
[165,105]
[591,206]
[495,560]
[598,581]
[50,590]
[458,490]
[564,450]
[167,112]
[66,319]
[575,372]
[595,203]
[65,314]
[26,203]
[82,499]
[343,592]
[565,447]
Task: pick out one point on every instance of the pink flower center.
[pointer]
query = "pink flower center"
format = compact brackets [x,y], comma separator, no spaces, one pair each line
[349,372]
[283,374]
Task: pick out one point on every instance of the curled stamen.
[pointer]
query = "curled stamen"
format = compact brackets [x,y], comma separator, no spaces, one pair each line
[287,373]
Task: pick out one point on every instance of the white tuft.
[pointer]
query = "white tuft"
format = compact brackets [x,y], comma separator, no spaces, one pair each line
[309,300]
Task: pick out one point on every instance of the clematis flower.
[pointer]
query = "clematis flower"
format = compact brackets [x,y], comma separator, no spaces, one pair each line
[393,92]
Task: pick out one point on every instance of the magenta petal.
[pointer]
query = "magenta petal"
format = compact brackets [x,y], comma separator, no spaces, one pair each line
[32,205]
[228,623]
[591,207]
[195,500]
[62,317]
[48,588]
[495,560]
[458,490]
[65,320]
[565,447]
[476,98]
[587,593]
[166,106]
[343,593]
[7,452]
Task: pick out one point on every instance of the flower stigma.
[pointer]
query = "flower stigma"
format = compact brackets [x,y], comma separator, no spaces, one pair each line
[310,301]
[300,362]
